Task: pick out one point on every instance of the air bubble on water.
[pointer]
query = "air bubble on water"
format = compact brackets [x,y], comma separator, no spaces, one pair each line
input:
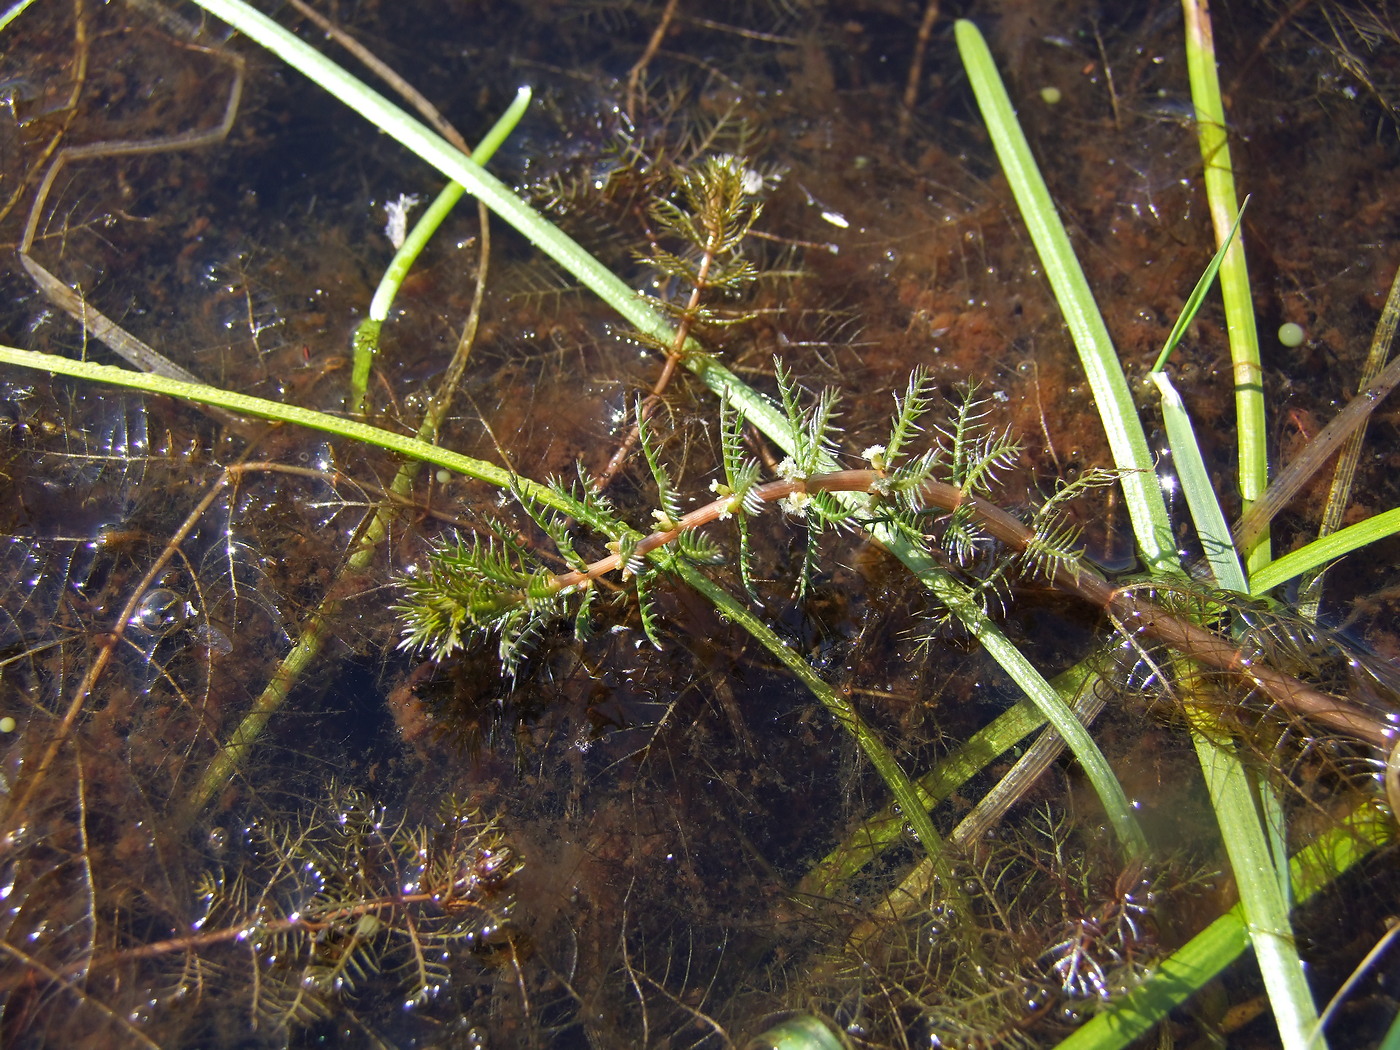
[161,609]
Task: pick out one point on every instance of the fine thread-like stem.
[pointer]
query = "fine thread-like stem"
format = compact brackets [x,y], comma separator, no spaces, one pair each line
[28,787]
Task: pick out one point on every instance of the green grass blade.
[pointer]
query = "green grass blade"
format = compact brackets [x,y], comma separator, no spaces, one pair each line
[1209,519]
[1219,177]
[1392,1035]
[245,405]
[366,339]
[1258,871]
[1328,548]
[1081,312]
[1212,529]
[1198,294]
[1262,897]
[442,205]
[13,12]
[1260,882]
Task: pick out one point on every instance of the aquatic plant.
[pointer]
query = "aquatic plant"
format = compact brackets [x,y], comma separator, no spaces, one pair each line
[1040,929]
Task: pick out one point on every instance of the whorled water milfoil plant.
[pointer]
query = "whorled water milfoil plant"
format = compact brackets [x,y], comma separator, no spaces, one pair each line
[1030,932]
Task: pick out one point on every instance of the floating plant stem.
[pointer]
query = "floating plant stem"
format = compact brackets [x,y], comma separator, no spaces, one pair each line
[718,213]
[1127,605]
[246,405]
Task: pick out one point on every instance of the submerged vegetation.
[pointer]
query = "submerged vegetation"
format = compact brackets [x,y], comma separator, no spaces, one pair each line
[696,694]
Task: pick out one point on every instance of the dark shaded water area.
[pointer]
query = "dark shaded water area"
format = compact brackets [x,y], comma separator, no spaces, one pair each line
[608,848]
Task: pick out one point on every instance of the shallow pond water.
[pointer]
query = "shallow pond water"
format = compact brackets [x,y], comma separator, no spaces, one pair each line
[618,844]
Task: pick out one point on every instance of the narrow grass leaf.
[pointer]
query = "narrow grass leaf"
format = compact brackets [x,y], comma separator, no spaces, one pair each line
[1096,352]
[1030,681]
[1219,178]
[1328,548]
[1198,294]
[1265,904]
[1211,527]
[366,341]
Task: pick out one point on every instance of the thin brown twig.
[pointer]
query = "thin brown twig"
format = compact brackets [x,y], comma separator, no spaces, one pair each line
[1339,496]
[63,981]
[634,76]
[373,528]
[375,64]
[916,67]
[1262,45]
[14,819]
[92,320]
[81,47]
[674,355]
[228,934]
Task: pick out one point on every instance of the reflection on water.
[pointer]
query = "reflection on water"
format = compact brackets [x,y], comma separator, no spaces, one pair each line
[602,849]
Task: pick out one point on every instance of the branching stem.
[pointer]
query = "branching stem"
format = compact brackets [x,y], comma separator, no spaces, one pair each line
[1126,605]
[675,353]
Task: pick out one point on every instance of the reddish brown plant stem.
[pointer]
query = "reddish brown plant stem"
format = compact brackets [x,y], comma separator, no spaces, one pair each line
[674,355]
[191,942]
[1126,605]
